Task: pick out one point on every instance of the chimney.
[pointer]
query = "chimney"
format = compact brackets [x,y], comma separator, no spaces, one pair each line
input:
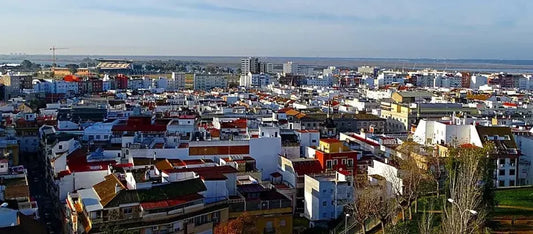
[117,188]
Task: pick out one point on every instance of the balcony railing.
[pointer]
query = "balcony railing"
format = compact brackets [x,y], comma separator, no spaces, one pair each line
[259,205]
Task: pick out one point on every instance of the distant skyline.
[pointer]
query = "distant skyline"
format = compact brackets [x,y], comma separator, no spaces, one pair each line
[300,28]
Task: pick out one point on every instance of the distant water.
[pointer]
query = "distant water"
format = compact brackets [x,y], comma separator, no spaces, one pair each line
[473,65]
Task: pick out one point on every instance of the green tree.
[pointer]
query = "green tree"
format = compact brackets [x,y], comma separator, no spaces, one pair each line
[26,65]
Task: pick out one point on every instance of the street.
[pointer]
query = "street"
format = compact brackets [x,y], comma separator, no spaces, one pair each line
[48,205]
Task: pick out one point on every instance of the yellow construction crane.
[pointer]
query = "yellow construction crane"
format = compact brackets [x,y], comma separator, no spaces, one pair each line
[53,49]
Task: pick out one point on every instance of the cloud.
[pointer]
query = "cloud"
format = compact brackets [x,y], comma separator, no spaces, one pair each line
[356,28]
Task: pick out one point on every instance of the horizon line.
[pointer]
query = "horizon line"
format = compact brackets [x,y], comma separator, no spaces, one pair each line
[260,56]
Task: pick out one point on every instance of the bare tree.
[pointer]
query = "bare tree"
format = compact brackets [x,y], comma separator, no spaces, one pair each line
[407,187]
[385,207]
[364,206]
[436,172]
[464,210]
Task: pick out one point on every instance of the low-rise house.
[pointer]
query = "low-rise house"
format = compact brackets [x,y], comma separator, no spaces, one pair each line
[326,195]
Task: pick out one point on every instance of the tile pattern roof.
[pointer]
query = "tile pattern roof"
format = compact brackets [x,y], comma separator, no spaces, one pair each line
[77,162]
[307,167]
[106,189]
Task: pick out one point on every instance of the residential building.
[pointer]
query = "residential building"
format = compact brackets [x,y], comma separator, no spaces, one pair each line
[176,207]
[326,195]
[250,65]
[209,81]
[290,68]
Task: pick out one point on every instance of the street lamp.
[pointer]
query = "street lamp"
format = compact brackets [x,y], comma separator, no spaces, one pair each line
[462,214]
[473,212]
[346,223]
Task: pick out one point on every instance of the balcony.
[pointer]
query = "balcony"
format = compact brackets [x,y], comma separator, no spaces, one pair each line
[261,206]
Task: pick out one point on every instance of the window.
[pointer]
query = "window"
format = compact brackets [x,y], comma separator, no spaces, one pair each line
[501,183]
[127,210]
[502,160]
[282,223]
[60,146]
[328,164]
[350,163]
[343,161]
[511,172]
[324,203]
[106,137]
[335,162]
[97,137]
[512,161]
[502,172]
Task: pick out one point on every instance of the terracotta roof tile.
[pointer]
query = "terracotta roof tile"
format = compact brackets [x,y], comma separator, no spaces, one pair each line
[106,189]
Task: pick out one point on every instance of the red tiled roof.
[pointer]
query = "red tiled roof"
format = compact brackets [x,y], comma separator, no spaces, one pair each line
[193,162]
[124,165]
[221,169]
[187,117]
[307,167]
[467,146]
[372,143]
[184,199]
[77,162]
[177,162]
[154,205]
[239,123]
[343,171]
[284,110]
[510,104]
[143,124]
[63,173]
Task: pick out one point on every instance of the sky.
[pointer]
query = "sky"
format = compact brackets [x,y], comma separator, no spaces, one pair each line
[493,29]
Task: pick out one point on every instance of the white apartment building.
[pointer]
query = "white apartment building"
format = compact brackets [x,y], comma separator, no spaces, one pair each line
[388,78]
[177,81]
[255,80]
[326,195]
[290,68]
[477,81]
[55,86]
[250,64]
[210,81]
[506,154]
